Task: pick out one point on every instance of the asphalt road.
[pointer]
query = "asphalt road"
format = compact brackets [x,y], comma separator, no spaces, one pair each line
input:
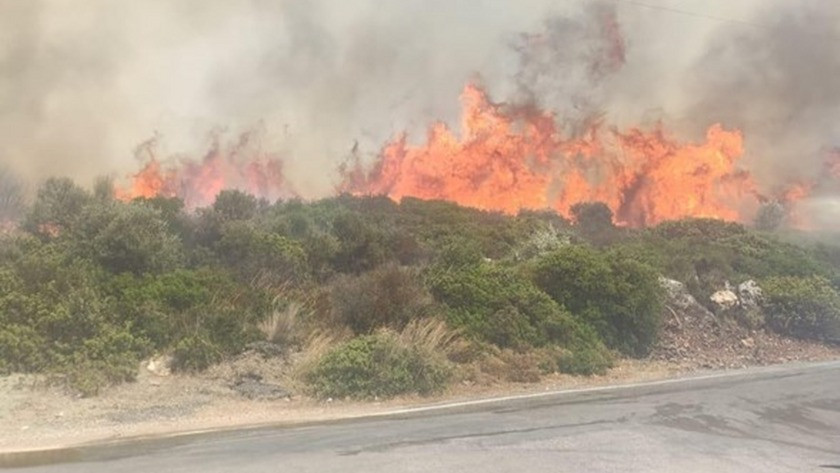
[770,420]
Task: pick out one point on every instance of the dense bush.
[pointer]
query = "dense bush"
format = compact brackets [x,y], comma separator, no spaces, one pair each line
[594,222]
[378,365]
[58,203]
[389,296]
[55,319]
[704,254]
[619,297]
[805,307]
[125,238]
[497,304]
[260,256]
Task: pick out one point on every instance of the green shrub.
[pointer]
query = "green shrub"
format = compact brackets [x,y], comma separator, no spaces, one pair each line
[196,353]
[378,365]
[110,358]
[804,307]
[362,245]
[260,256]
[56,207]
[497,304]
[585,361]
[620,298]
[126,238]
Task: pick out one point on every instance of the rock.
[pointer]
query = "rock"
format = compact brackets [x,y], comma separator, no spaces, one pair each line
[160,365]
[750,298]
[681,301]
[748,342]
[750,294]
[724,301]
[252,387]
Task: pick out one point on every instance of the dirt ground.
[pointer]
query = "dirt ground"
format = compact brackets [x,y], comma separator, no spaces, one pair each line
[35,415]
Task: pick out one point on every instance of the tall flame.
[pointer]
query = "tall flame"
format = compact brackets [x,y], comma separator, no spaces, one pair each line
[509,158]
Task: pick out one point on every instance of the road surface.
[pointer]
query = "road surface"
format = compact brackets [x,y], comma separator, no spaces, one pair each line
[768,420]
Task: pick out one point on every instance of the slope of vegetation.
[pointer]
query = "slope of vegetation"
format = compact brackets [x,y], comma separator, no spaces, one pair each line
[89,286]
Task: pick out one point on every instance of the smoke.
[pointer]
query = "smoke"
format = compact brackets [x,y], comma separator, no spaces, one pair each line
[777,81]
[81,86]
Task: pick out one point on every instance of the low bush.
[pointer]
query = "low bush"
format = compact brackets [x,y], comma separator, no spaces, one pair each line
[804,307]
[196,353]
[378,365]
[585,361]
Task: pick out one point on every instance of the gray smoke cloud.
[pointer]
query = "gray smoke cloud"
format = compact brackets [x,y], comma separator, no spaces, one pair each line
[82,84]
[778,81]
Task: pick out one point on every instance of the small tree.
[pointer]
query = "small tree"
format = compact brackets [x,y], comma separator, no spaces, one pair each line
[235,205]
[594,221]
[770,216]
[11,196]
[57,206]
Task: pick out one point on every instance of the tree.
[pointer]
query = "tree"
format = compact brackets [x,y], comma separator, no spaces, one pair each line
[770,216]
[594,221]
[126,238]
[235,205]
[57,205]
[11,196]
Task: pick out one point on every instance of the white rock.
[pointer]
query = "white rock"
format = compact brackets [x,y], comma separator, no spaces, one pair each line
[750,294]
[160,365]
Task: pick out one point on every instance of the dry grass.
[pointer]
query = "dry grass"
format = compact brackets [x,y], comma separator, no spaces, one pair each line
[432,336]
[281,327]
[316,345]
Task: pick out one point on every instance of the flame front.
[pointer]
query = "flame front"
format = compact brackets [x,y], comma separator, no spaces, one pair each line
[509,158]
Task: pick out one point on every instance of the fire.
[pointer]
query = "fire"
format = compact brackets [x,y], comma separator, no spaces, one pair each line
[199,182]
[508,158]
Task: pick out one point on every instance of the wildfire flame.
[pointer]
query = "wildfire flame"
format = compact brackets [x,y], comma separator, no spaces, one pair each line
[509,158]
[199,182]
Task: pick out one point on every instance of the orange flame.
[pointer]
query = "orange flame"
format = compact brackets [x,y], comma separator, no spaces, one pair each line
[512,158]
[199,182]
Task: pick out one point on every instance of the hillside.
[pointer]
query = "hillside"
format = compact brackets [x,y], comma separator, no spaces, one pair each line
[362,297]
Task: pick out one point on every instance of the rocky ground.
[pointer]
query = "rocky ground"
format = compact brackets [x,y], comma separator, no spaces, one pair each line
[693,337]
[258,388]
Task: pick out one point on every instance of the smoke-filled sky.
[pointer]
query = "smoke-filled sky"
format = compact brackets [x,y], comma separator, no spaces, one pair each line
[83,83]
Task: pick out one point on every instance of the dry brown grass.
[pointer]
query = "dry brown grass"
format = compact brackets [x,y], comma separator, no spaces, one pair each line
[431,335]
[280,326]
